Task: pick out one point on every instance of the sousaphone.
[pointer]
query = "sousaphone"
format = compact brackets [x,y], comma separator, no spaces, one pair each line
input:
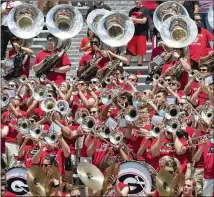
[211,16]
[167,10]
[64,21]
[25,21]
[178,31]
[94,18]
[115,29]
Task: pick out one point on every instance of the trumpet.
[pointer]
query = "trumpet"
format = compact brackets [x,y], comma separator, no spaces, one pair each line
[173,125]
[39,93]
[62,107]
[88,124]
[81,114]
[172,111]
[23,79]
[5,99]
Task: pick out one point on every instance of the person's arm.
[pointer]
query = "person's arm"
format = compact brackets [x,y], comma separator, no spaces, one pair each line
[91,149]
[15,111]
[172,93]
[19,89]
[25,49]
[84,48]
[180,149]
[94,96]
[114,182]
[194,98]
[185,65]
[155,149]
[37,66]
[105,112]
[199,153]
[64,145]
[32,107]
[120,57]
[63,69]
[187,88]
[21,149]
[139,20]
[88,103]
[37,156]
[4,131]
[143,147]
[196,7]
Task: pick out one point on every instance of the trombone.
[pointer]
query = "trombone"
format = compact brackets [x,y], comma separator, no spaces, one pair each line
[202,139]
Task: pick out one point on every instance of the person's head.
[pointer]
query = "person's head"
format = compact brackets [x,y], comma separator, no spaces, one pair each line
[138,3]
[51,42]
[204,70]
[161,97]
[133,79]
[12,84]
[125,99]
[94,82]
[17,101]
[168,78]
[82,85]
[17,40]
[118,72]
[197,19]
[174,85]
[75,191]
[33,118]
[99,2]
[94,111]
[189,188]
[170,164]
[95,41]
[148,94]
[46,164]
[64,86]
[50,87]
[90,33]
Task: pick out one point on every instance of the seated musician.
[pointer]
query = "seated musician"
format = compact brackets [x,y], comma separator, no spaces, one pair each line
[57,72]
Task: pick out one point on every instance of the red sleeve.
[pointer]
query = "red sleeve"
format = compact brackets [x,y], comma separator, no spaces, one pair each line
[61,161]
[156,193]
[82,61]
[82,44]
[209,36]
[37,59]
[122,186]
[11,53]
[65,60]
[24,114]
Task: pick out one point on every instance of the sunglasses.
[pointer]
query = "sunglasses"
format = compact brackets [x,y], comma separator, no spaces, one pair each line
[82,84]
[172,84]
[197,20]
[132,79]
[15,39]
[203,70]
[51,39]
[93,82]
[168,79]
[45,165]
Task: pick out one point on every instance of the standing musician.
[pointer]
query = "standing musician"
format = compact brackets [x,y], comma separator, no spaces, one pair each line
[59,70]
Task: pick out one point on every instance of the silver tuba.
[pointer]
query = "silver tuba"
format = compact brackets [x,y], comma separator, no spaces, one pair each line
[172,111]
[178,31]
[94,18]
[131,114]
[48,104]
[81,114]
[62,107]
[39,93]
[25,21]
[115,29]
[88,124]
[116,137]
[167,10]
[211,16]
[64,21]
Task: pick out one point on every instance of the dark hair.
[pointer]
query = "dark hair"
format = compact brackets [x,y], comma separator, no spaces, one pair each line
[35,117]
[51,159]
[95,38]
[53,93]
[205,65]
[52,36]
[163,92]
[128,96]
[88,32]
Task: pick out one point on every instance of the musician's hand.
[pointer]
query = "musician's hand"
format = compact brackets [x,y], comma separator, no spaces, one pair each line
[95,48]
[175,55]
[112,180]
[17,46]
[41,145]
[88,45]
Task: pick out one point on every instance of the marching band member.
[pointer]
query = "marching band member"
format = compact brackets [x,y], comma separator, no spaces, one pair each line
[58,71]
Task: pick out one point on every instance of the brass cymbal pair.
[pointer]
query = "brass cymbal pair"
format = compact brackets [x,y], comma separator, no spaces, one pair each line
[167,185]
[38,183]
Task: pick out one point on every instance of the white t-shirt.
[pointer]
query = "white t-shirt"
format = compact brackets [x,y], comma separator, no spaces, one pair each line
[11,5]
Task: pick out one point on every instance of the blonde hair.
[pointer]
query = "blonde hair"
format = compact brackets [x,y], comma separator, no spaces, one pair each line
[171,162]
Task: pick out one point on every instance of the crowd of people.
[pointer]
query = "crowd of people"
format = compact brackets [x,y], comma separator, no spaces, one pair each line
[99,116]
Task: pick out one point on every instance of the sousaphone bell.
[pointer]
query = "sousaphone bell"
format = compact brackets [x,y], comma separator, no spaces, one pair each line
[211,16]
[178,31]
[167,10]
[64,21]
[25,21]
[48,104]
[115,29]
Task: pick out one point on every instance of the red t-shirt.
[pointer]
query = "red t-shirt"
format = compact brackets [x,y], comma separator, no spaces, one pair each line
[84,42]
[25,70]
[198,47]
[30,151]
[208,155]
[63,61]
[2,141]
[100,152]
[150,5]
[85,59]
[156,51]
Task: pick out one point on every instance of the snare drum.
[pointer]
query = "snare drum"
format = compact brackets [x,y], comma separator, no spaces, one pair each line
[17,181]
[137,175]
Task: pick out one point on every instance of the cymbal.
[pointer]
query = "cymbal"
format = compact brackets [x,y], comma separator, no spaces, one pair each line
[53,173]
[177,183]
[36,180]
[90,175]
[164,182]
[113,169]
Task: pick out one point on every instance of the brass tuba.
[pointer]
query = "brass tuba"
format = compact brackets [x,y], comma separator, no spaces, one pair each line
[178,31]
[115,29]
[64,21]
[94,17]
[167,10]
[25,21]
